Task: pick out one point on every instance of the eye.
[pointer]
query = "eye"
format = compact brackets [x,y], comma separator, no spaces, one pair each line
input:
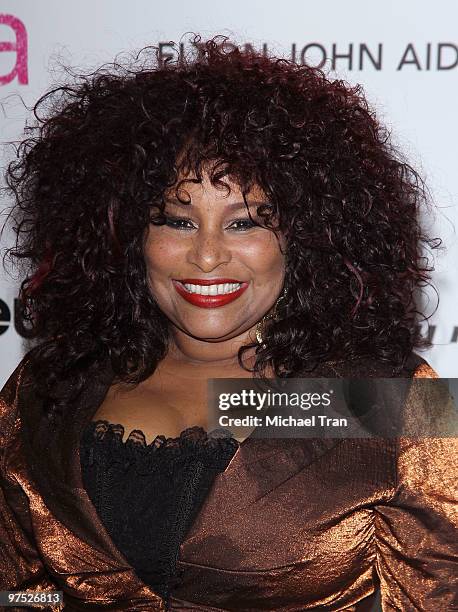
[246,224]
[180,223]
[173,222]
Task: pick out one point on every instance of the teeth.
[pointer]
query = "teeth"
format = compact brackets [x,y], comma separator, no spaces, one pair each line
[213,289]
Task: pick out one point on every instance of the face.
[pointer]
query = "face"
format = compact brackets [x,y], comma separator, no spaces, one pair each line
[211,270]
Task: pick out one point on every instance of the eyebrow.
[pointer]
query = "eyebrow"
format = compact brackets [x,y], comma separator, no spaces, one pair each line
[232,206]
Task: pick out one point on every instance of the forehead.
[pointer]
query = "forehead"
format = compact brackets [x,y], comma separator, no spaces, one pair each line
[227,192]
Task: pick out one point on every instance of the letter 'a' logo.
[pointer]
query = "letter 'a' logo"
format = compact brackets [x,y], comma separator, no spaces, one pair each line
[19,46]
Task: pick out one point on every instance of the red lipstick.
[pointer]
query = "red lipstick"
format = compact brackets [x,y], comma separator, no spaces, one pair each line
[208,301]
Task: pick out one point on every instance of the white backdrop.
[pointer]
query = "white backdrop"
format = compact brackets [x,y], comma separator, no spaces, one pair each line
[404,53]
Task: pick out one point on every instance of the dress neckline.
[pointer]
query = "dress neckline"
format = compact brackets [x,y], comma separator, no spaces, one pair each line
[102,429]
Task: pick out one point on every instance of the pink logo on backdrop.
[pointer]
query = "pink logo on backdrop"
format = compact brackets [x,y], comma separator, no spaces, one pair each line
[19,47]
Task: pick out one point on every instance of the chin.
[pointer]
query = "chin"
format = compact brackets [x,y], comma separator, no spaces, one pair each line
[210,334]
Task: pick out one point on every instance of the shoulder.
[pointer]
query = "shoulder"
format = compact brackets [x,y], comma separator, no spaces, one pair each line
[18,381]
[363,367]
[424,370]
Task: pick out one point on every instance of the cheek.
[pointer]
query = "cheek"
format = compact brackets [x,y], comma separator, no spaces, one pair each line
[160,253]
[262,253]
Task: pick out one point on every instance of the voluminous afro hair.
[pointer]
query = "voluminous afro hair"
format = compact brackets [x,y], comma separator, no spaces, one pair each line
[105,148]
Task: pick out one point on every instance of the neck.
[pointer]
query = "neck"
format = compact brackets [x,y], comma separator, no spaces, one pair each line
[187,351]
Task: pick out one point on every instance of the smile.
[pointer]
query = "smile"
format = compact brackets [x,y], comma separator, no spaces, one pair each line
[210,295]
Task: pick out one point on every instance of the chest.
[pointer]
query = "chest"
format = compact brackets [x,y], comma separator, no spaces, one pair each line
[156,409]
[171,400]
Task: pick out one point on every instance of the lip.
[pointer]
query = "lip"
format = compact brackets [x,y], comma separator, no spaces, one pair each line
[208,281]
[208,301]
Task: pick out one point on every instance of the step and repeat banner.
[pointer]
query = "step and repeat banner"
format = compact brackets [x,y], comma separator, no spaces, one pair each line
[405,54]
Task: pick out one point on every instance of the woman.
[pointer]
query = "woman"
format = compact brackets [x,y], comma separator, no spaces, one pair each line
[278,190]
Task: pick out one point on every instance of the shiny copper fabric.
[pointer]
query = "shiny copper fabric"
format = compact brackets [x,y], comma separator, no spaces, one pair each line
[290,525]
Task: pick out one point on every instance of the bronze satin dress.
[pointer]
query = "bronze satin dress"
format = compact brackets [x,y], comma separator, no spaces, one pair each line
[290,525]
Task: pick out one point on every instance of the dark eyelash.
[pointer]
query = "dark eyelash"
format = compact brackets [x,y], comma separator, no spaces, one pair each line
[174,222]
[166,220]
[248,221]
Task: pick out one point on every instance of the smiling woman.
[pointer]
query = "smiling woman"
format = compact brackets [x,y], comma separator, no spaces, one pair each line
[207,256]
[227,216]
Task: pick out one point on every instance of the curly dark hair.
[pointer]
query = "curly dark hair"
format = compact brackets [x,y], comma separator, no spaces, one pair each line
[111,142]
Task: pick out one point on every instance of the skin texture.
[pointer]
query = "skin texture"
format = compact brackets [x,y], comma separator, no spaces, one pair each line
[214,245]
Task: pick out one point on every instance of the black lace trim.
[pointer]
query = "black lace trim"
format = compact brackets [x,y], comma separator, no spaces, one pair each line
[215,448]
[148,495]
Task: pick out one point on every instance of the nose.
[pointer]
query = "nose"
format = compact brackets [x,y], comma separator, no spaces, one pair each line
[208,250]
